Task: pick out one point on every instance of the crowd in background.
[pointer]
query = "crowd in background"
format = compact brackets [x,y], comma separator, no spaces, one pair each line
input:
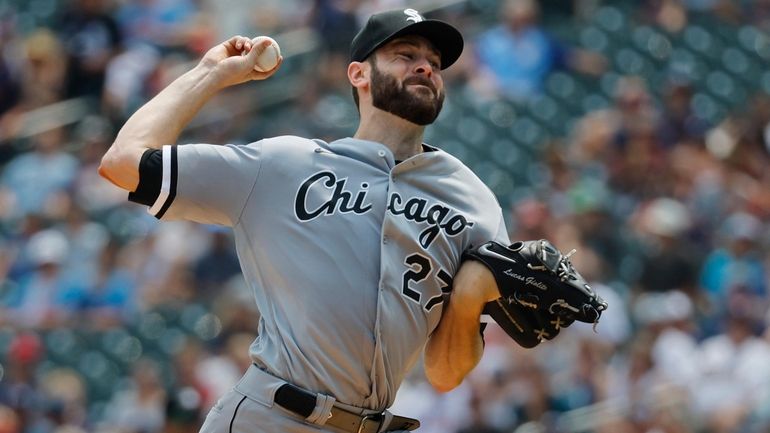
[669,211]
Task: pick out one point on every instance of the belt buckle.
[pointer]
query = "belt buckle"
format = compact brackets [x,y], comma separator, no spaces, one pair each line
[363,422]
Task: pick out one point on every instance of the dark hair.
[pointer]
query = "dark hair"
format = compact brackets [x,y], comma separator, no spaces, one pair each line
[372,61]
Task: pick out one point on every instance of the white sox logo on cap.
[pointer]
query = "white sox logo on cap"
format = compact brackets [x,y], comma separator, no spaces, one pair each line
[383,27]
[413,15]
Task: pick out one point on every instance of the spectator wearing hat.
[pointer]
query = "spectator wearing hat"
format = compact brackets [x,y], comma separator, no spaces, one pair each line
[736,267]
[734,371]
[43,298]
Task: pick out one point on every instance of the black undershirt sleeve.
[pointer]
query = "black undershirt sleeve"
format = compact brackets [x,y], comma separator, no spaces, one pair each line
[150,178]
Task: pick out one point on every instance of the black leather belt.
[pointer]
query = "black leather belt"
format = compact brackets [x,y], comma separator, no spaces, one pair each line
[301,402]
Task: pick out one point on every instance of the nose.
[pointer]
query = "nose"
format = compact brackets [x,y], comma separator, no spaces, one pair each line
[424,68]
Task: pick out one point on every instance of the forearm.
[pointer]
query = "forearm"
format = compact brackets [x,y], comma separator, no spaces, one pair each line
[456,346]
[158,122]
[161,120]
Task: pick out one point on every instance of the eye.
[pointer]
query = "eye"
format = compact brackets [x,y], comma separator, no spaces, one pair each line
[405,55]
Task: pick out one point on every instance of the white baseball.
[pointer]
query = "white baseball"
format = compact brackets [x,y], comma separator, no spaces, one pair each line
[269,57]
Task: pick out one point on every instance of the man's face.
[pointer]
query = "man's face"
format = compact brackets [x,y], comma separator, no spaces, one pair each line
[406,80]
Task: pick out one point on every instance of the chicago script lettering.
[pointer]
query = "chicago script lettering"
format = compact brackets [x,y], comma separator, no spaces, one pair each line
[340,200]
[437,217]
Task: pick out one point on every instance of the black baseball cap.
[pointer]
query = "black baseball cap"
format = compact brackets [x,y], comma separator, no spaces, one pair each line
[386,26]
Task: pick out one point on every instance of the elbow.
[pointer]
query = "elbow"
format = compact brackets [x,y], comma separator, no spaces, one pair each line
[444,387]
[120,168]
[443,381]
[107,165]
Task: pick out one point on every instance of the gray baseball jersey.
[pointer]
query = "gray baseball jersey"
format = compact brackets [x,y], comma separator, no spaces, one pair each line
[349,254]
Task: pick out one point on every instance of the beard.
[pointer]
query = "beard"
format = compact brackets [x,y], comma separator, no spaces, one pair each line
[391,96]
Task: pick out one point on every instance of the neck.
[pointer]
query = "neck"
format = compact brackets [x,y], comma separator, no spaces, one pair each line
[402,137]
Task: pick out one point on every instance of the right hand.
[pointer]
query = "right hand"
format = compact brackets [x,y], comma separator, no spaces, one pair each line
[233,61]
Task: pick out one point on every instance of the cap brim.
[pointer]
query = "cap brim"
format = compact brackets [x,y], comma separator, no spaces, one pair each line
[447,39]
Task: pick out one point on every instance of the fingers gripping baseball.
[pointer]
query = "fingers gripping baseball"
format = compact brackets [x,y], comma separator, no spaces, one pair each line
[237,60]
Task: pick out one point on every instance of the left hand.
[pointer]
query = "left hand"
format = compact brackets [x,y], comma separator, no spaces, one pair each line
[539,290]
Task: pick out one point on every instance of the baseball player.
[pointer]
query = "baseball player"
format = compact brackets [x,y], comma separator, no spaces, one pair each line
[351,248]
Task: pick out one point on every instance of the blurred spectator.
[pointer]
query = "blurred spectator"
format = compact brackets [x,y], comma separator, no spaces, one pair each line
[31,180]
[478,422]
[535,399]
[671,14]
[87,240]
[41,74]
[668,260]
[9,421]
[736,267]
[91,37]
[679,122]
[66,390]
[516,56]
[44,70]
[109,296]
[159,23]
[215,375]
[93,193]
[669,316]
[336,22]
[126,80]
[142,406]
[43,298]
[10,89]
[735,368]
[217,265]
[532,219]
[615,329]
[18,387]
[184,411]
[636,149]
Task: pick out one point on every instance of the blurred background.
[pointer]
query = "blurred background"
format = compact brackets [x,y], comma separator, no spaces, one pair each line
[637,132]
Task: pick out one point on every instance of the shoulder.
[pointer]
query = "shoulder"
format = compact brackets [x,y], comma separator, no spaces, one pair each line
[267,147]
[468,178]
[289,144]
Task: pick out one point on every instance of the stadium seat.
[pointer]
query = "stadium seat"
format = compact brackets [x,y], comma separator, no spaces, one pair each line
[654,44]
[528,132]
[594,38]
[506,152]
[65,345]
[610,19]
[631,62]
[455,148]
[594,101]
[687,64]
[765,82]
[736,61]
[702,41]
[100,373]
[472,131]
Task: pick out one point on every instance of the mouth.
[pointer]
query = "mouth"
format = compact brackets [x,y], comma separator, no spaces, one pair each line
[423,86]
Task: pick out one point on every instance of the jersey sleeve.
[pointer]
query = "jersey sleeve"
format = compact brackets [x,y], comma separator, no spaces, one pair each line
[502,236]
[206,183]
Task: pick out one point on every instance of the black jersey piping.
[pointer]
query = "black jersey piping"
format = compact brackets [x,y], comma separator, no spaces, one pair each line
[232,420]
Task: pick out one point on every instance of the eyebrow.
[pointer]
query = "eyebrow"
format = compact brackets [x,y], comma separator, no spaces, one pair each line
[399,41]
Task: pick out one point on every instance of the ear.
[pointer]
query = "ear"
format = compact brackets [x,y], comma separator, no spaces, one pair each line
[358,74]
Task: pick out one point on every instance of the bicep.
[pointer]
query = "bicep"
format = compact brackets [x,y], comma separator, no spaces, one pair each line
[198,182]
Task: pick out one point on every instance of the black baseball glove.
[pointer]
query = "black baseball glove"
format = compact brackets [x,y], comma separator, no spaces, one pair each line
[540,291]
